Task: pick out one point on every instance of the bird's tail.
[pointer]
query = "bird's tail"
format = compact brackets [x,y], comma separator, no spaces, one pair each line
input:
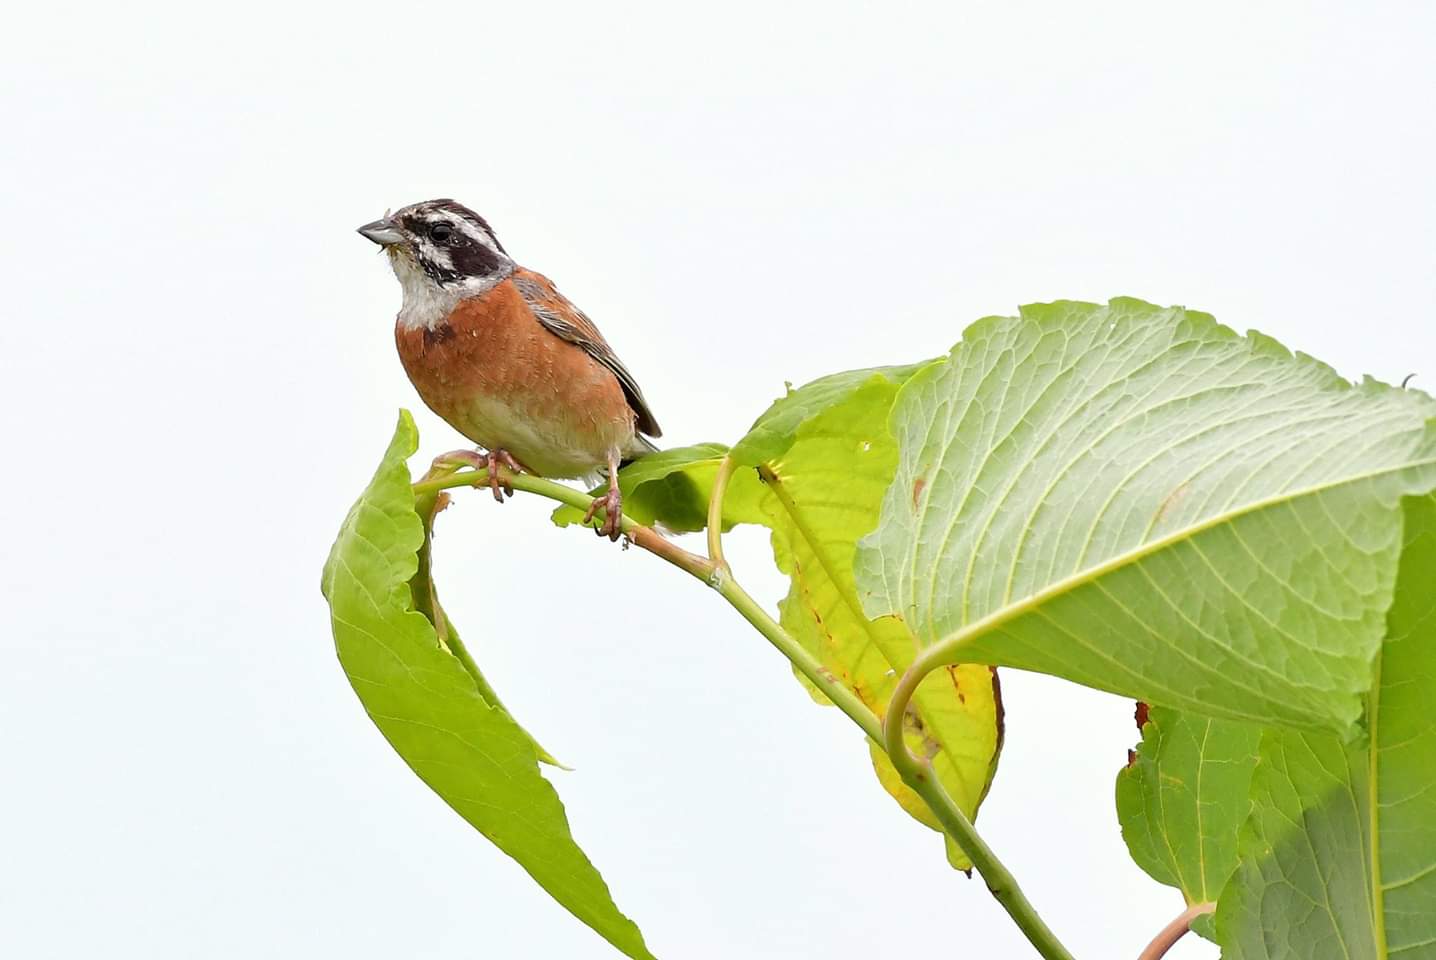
[642,447]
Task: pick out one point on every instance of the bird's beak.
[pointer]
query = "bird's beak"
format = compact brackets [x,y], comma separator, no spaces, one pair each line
[383,232]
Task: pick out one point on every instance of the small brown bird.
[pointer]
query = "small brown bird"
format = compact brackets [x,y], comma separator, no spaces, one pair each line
[501,355]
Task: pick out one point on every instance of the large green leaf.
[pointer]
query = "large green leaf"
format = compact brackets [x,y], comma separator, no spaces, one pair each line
[430,708]
[1338,858]
[1402,716]
[1183,798]
[1140,500]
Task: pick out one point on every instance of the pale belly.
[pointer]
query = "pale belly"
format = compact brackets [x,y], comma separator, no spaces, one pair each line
[550,441]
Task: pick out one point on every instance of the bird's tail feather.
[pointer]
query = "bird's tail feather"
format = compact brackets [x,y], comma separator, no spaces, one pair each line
[642,447]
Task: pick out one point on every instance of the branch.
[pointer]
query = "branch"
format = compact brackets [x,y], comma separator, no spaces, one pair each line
[639,535]
[699,567]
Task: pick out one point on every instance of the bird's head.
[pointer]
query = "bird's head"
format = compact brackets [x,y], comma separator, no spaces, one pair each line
[440,248]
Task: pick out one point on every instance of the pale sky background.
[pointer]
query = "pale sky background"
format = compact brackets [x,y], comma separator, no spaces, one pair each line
[198,376]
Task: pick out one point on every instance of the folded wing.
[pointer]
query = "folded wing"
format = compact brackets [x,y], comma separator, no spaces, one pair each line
[563,319]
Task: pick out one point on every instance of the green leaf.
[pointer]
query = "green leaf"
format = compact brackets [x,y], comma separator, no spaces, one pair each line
[1183,798]
[1142,501]
[1338,857]
[426,601]
[1302,888]
[825,480]
[1403,762]
[774,432]
[429,708]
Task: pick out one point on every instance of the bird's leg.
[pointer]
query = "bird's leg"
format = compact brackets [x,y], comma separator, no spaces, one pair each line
[490,461]
[502,458]
[611,502]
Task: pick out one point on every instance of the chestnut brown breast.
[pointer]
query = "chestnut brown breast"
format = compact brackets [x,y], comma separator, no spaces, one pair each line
[504,381]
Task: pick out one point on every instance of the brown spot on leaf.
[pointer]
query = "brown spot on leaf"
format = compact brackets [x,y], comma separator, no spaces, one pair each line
[1172,501]
[952,675]
[1140,714]
[1131,757]
[917,488]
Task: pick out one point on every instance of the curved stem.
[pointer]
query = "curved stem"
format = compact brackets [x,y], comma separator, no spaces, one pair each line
[843,698]
[715,512]
[1174,931]
[887,733]
[917,774]
[923,664]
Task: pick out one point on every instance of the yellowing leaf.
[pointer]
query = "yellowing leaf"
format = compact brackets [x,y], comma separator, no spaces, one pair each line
[825,481]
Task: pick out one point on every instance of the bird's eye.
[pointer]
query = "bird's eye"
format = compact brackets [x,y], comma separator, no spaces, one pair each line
[441,232]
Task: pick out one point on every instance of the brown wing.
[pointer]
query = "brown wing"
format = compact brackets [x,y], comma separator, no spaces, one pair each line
[563,319]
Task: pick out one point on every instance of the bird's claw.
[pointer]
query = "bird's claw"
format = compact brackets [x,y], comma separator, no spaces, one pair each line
[612,505]
[491,461]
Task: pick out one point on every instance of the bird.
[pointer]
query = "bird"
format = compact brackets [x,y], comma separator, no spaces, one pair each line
[496,351]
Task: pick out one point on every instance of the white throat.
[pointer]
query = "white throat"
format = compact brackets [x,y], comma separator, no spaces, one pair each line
[426,302]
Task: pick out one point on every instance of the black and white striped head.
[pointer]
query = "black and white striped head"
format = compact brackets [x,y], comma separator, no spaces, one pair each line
[441,252]
[447,240]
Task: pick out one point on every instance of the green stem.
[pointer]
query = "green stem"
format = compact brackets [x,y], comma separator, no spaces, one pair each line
[1000,882]
[915,773]
[843,698]
[715,512]
[637,533]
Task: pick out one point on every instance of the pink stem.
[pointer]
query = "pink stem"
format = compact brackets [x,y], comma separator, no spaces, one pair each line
[1173,931]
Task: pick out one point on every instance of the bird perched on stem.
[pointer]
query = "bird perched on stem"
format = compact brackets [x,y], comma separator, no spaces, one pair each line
[501,355]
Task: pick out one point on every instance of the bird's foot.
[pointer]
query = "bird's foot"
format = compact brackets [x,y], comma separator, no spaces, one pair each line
[490,461]
[612,505]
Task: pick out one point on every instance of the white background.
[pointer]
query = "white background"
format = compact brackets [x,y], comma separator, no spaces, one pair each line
[198,376]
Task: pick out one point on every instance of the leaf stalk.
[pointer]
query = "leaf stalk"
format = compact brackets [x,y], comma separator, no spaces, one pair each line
[715,512]
[1174,931]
